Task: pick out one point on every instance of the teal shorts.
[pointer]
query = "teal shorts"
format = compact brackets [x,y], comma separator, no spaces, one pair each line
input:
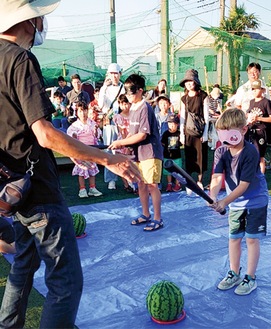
[178,162]
[250,223]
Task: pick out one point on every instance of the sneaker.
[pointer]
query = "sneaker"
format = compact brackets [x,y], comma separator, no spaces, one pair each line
[169,188]
[232,279]
[83,193]
[188,191]
[112,185]
[246,286]
[177,188]
[200,185]
[94,192]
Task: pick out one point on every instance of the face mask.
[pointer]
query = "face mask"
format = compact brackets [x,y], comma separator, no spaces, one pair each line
[40,35]
[230,137]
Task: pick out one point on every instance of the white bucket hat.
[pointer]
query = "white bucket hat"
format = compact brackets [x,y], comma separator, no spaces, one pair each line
[15,11]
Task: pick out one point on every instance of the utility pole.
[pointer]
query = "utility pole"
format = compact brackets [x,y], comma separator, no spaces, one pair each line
[220,53]
[113,39]
[233,4]
[165,64]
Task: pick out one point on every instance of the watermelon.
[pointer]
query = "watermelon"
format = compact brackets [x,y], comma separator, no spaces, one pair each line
[165,301]
[79,224]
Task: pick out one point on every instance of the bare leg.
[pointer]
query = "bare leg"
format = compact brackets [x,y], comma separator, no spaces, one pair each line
[262,164]
[92,181]
[253,252]
[81,180]
[156,200]
[143,192]
[235,254]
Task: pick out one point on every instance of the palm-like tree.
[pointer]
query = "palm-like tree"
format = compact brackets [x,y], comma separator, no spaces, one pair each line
[231,37]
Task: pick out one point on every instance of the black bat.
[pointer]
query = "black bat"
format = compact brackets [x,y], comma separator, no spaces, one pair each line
[100,146]
[184,178]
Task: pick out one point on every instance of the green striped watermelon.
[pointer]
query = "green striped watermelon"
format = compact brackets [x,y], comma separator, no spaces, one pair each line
[165,301]
[79,223]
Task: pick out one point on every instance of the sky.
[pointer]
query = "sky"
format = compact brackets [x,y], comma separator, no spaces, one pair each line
[138,23]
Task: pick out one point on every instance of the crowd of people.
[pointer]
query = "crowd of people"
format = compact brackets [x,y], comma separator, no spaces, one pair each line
[131,122]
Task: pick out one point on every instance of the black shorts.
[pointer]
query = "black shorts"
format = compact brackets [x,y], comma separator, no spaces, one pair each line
[259,137]
[6,231]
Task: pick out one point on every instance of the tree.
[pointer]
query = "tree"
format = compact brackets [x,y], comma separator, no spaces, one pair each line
[231,37]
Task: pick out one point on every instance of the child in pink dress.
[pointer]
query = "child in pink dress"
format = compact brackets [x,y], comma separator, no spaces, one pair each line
[87,132]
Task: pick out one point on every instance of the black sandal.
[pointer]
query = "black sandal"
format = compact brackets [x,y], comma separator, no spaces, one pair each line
[137,221]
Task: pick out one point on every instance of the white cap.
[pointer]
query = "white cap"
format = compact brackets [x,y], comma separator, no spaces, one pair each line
[114,67]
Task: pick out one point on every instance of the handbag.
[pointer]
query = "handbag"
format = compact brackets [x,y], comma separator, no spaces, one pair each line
[195,123]
[14,188]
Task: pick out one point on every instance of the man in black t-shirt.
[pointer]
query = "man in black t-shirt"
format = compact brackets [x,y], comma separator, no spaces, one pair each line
[43,225]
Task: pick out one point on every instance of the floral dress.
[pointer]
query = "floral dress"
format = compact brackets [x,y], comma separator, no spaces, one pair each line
[122,124]
[85,133]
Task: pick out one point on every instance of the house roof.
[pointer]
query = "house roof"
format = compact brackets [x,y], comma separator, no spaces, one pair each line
[203,38]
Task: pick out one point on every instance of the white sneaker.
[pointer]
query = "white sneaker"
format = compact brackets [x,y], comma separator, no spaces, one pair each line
[131,185]
[112,185]
[188,191]
[83,193]
[246,286]
[232,279]
[200,185]
[94,192]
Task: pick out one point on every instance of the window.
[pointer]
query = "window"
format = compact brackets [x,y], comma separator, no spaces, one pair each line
[186,63]
[210,61]
[158,68]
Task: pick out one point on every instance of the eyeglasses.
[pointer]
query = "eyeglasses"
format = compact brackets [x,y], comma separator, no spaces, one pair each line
[132,90]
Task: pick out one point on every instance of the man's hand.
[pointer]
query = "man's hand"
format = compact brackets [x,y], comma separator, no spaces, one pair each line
[126,169]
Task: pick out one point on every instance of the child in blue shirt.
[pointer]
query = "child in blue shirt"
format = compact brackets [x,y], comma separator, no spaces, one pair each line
[247,197]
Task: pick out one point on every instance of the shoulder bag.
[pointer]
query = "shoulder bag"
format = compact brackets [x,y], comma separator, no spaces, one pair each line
[14,187]
[107,120]
[195,123]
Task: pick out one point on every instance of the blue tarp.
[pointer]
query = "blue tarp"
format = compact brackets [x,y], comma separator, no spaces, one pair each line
[121,262]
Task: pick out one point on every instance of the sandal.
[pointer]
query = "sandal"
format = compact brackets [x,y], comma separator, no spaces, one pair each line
[154,225]
[142,219]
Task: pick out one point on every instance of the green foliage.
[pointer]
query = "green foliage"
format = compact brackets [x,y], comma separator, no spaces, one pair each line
[231,37]
[165,301]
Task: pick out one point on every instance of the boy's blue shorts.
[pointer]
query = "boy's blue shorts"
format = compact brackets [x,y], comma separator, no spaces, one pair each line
[250,223]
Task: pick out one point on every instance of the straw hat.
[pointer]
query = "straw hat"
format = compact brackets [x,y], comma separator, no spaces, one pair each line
[190,75]
[15,11]
[257,84]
